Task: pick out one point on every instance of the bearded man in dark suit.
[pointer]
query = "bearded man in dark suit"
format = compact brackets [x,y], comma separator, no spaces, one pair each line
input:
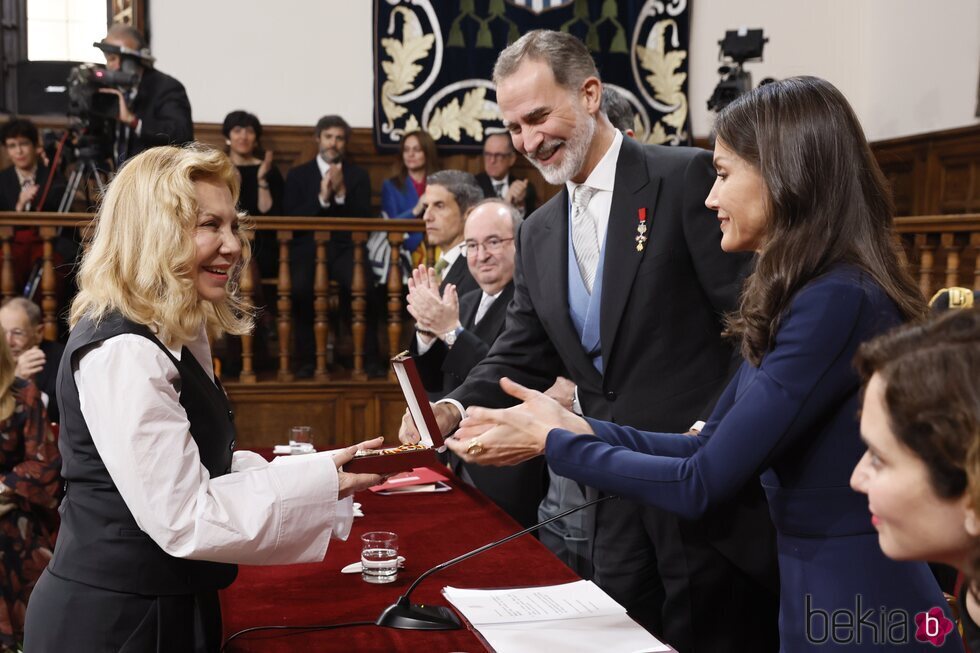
[620,283]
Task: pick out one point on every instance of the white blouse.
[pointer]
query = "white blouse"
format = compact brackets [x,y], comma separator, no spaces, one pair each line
[261,513]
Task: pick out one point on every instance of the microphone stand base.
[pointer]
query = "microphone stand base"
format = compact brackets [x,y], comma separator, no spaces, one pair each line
[418,617]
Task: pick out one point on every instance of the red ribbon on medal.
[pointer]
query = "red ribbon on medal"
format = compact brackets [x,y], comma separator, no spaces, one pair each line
[641,229]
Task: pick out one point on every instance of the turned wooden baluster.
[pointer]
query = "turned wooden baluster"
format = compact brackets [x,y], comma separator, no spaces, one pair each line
[358,305]
[926,247]
[394,298]
[952,248]
[49,284]
[246,287]
[321,319]
[7,270]
[284,305]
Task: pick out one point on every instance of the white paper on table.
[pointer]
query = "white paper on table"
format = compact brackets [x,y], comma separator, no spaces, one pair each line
[574,600]
[576,617]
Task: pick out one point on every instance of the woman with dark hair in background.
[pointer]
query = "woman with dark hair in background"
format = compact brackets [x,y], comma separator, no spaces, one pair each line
[29,490]
[797,184]
[262,183]
[921,422]
[401,194]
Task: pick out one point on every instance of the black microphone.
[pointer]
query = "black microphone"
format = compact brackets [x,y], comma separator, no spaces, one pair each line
[407,616]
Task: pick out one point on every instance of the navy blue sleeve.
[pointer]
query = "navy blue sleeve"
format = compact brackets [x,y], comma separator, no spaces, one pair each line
[807,374]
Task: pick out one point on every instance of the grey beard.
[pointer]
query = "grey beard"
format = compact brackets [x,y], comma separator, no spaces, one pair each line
[576,147]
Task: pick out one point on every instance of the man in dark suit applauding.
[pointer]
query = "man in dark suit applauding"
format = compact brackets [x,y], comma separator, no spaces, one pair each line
[496,179]
[620,282]
[326,186]
[454,333]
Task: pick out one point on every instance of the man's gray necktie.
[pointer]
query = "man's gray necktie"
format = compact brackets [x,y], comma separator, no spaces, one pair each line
[498,188]
[584,235]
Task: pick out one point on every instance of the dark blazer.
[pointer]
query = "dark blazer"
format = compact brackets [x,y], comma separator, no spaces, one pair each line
[47,379]
[161,104]
[794,418]
[10,188]
[660,325]
[301,198]
[530,199]
[459,275]
[517,489]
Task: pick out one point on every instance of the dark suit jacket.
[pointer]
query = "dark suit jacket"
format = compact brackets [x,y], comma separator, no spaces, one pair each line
[301,197]
[47,379]
[530,199]
[161,104]
[10,188]
[517,489]
[459,275]
[660,320]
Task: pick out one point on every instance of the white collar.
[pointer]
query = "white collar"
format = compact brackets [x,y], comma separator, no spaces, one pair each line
[450,255]
[603,176]
[322,164]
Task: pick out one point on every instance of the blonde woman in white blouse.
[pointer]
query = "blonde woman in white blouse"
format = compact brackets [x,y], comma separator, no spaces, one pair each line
[159,507]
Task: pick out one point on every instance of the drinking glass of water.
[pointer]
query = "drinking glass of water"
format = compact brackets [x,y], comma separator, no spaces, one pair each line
[379,557]
[301,439]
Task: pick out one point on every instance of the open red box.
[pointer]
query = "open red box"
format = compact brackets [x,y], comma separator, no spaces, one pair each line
[399,459]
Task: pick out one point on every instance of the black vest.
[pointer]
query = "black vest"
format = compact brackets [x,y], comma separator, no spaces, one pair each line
[99,542]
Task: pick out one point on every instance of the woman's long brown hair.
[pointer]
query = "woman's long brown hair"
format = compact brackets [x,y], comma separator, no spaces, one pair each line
[828,202]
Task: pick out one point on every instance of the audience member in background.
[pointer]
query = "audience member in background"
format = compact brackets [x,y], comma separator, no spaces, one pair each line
[157,112]
[37,359]
[159,507]
[326,186]
[262,183]
[827,278]
[449,195]
[401,195]
[454,333]
[921,472]
[24,186]
[617,108]
[496,179]
[29,490]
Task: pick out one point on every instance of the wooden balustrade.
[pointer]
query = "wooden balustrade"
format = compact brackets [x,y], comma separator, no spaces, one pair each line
[941,251]
[325,303]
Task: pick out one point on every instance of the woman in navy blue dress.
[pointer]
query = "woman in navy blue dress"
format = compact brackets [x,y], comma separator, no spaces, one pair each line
[798,184]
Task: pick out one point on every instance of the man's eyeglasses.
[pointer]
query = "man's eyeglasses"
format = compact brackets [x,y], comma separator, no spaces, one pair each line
[496,156]
[17,333]
[492,245]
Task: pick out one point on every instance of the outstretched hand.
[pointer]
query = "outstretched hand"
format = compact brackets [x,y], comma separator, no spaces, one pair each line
[511,435]
[348,483]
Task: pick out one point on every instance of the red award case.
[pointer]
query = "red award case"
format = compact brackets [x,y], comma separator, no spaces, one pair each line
[393,460]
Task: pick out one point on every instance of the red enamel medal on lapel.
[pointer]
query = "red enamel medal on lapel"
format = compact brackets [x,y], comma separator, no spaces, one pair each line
[641,228]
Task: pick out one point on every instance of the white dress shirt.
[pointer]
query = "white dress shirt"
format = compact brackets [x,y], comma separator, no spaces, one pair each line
[261,513]
[486,301]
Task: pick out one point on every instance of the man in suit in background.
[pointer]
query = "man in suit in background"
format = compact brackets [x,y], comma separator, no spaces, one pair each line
[326,186]
[454,333]
[449,195]
[497,181]
[621,283]
[157,112]
[37,359]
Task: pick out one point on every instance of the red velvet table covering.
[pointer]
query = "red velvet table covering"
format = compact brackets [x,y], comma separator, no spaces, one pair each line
[431,528]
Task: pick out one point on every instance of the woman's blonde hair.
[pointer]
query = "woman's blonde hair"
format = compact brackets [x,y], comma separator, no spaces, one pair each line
[142,255]
[7,366]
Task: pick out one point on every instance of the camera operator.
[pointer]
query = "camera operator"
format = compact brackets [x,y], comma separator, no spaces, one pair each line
[156,110]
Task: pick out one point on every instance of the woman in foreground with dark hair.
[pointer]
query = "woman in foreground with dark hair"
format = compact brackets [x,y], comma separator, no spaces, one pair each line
[921,422]
[798,184]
